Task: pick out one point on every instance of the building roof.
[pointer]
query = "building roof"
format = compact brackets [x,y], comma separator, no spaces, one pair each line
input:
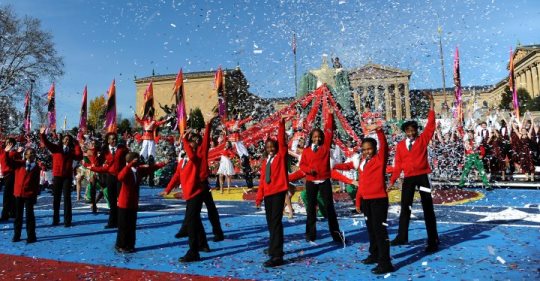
[438,91]
[187,75]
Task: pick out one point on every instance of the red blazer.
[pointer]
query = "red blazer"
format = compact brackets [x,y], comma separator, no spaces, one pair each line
[334,174]
[371,181]
[113,163]
[149,127]
[188,176]
[6,167]
[26,182]
[414,162]
[320,160]
[202,153]
[129,192]
[279,181]
[62,162]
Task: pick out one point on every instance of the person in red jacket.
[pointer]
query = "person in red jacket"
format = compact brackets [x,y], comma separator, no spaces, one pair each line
[128,200]
[412,158]
[273,186]
[149,126]
[8,201]
[26,189]
[204,171]
[187,175]
[315,164]
[372,198]
[63,155]
[115,161]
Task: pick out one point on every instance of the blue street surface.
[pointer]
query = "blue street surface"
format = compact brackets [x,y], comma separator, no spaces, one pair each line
[495,238]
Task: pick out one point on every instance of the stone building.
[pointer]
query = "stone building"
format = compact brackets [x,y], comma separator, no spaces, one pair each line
[199,91]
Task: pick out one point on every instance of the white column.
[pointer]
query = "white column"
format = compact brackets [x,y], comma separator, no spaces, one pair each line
[397,98]
[535,81]
[407,101]
[528,79]
[387,107]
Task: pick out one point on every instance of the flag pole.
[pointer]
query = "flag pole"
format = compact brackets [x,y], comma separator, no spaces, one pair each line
[439,30]
[295,65]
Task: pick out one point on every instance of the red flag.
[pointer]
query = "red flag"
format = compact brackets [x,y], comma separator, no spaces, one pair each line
[220,91]
[458,113]
[148,105]
[83,119]
[51,108]
[110,115]
[27,121]
[179,95]
[512,85]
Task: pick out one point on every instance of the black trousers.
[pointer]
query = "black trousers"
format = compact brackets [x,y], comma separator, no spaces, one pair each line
[62,185]
[376,212]
[8,210]
[113,189]
[28,204]
[246,170]
[213,214]
[407,193]
[196,234]
[127,224]
[325,189]
[273,206]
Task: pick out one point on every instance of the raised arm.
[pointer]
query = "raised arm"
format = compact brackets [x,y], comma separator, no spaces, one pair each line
[282,137]
[139,120]
[187,148]
[329,128]
[382,154]
[53,148]
[77,151]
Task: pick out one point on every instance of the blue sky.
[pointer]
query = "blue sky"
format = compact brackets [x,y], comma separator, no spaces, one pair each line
[102,40]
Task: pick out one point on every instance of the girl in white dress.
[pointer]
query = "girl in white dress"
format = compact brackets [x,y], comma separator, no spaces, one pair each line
[226,167]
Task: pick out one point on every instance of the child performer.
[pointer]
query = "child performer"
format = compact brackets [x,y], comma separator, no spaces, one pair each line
[187,174]
[63,155]
[8,206]
[273,187]
[315,164]
[26,189]
[372,198]
[128,200]
[474,153]
[411,157]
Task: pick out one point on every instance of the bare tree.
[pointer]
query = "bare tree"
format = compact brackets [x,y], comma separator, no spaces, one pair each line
[27,54]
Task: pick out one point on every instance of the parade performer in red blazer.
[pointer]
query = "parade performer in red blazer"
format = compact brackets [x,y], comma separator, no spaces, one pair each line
[128,200]
[372,198]
[412,159]
[8,200]
[63,156]
[26,189]
[204,172]
[149,126]
[187,175]
[315,164]
[115,161]
[273,186]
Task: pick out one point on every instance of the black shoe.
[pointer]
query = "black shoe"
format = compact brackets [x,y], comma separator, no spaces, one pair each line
[383,269]
[432,248]
[370,260]
[94,210]
[273,262]
[68,225]
[31,240]
[55,223]
[205,249]
[218,238]
[309,239]
[189,258]
[397,242]
[180,235]
[339,239]
[16,239]
[108,226]
[4,218]
[489,188]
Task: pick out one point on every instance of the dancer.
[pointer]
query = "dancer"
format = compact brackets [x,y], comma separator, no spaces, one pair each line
[474,153]
[8,201]
[273,186]
[315,163]
[63,155]
[213,215]
[26,189]
[187,174]
[149,126]
[226,167]
[372,198]
[411,158]
[233,132]
[128,200]
[115,161]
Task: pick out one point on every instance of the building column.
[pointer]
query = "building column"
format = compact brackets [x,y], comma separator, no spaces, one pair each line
[407,101]
[387,105]
[397,98]
[535,81]
[528,79]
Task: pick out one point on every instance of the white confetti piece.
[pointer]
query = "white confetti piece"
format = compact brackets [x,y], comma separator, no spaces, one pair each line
[257,51]
[173,25]
[385,224]
[501,260]
[387,275]
[424,263]
[491,250]
[425,189]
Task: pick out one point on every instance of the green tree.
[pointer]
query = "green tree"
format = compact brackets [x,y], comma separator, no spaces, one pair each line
[196,119]
[96,113]
[124,126]
[524,100]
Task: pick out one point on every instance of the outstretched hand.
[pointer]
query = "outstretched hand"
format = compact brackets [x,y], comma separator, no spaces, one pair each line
[42,130]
